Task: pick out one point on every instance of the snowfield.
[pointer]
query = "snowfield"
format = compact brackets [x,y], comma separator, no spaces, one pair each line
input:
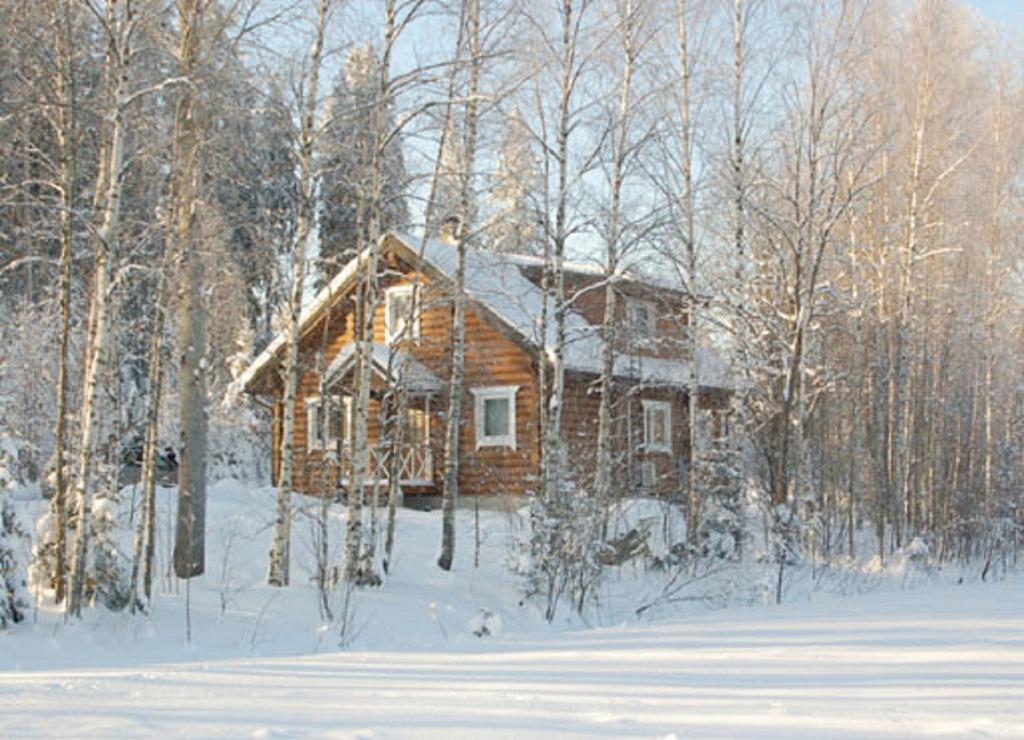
[938,663]
[913,655]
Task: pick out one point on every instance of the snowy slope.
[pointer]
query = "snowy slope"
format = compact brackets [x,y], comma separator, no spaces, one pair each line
[915,655]
[940,662]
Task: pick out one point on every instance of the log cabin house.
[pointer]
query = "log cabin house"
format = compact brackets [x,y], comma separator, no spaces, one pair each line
[500,442]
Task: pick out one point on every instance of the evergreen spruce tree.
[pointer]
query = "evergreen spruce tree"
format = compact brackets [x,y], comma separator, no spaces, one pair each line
[346,165]
[515,222]
[13,542]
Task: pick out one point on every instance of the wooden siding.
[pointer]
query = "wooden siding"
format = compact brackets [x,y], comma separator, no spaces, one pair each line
[492,359]
[580,422]
[671,330]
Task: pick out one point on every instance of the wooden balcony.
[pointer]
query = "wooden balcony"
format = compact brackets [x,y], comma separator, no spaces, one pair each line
[415,465]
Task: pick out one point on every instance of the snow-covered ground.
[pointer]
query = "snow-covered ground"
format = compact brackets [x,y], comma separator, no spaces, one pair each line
[936,662]
[914,654]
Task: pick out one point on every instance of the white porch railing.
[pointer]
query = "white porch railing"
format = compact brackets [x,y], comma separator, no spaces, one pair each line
[415,465]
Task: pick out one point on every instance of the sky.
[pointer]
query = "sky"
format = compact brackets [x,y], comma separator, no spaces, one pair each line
[1009,13]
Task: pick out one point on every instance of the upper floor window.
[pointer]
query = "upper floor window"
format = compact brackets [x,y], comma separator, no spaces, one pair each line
[399,304]
[657,426]
[641,316]
[495,417]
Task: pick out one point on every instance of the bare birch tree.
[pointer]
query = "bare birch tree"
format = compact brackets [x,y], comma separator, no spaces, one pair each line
[120,26]
[66,131]
[358,569]
[453,429]
[280,548]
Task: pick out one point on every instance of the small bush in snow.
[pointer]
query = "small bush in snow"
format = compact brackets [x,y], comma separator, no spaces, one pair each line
[565,545]
[722,528]
[13,590]
[485,623]
[111,564]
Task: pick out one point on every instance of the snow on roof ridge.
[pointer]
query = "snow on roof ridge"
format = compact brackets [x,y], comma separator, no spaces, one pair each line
[593,268]
[496,281]
[319,301]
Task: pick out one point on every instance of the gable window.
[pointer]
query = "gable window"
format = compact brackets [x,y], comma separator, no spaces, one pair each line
[495,417]
[657,426]
[641,316]
[399,301]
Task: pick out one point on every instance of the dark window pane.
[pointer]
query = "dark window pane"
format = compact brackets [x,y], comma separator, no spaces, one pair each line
[496,417]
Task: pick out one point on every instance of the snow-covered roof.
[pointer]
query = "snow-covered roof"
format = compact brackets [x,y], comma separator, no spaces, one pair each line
[323,298]
[412,373]
[496,281]
[593,269]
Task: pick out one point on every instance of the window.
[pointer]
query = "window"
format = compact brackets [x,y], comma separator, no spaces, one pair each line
[314,430]
[648,474]
[495,417]
[715,425]
[398,301]
[640,316]
[339,428]
[417,426]
[657,426]
[327,424]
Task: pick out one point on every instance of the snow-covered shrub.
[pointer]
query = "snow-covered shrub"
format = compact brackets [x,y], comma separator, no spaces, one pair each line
[13,590]
[238,446]
[485,623]
[785,536]
[565,543]
[111,554]
[43,564]
[13,546]
[722,528]
[108,566]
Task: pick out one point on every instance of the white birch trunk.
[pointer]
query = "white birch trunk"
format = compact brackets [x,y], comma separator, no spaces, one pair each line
[686,202]
[281,546]
[357,569]
[603,478]
[66,134]
[455,388]
[552,450]
[121,25]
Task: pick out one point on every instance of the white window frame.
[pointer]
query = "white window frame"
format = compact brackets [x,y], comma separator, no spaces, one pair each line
[490,393]
[649,328]
[391,334]
[649,407]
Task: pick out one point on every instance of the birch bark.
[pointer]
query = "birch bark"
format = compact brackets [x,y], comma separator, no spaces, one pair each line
[281,546]
[455,392]
[121,25]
